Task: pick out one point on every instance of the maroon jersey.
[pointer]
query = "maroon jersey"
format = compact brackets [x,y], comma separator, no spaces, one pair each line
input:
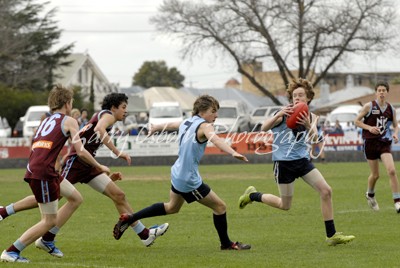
[90,139]
[49,140]
[382,119]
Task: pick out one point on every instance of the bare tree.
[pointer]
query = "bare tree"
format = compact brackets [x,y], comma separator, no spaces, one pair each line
[300,38]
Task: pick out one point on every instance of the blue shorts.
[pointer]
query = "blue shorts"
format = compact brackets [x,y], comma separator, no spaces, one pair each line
[288,171]
[195,195]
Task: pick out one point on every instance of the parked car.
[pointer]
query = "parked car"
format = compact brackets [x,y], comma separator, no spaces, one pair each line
[259,114]
[5,129]
[232,117]
[17,131]
[165,112]
[32,118]
[129,126]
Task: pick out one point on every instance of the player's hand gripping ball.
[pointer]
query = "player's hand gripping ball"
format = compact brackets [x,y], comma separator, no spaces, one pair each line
[298,109]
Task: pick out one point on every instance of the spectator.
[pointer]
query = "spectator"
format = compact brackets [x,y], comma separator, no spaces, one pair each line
[83,119]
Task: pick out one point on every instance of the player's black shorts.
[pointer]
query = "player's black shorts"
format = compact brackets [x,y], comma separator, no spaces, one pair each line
[288,171]
[373,148]
[195,195]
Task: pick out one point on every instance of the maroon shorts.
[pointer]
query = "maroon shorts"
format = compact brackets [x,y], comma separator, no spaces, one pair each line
[374,148]
[75,170]
[45,191]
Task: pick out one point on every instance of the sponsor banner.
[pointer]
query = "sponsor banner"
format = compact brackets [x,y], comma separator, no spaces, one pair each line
[168,144]
[348,141]
[245,143]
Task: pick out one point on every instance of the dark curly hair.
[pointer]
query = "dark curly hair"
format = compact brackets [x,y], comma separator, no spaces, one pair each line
[113,99]
[303,83]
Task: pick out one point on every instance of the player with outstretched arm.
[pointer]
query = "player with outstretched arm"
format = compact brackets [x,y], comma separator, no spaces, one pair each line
[187,184]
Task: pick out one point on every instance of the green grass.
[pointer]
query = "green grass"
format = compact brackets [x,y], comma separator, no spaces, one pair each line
[293,238]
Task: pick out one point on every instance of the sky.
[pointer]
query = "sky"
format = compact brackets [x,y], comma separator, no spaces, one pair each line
[118,36]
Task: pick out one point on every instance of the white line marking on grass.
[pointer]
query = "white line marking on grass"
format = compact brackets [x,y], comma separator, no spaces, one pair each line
[77,265]
[361,210]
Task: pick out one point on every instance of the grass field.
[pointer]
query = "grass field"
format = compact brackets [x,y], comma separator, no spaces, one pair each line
[294,238]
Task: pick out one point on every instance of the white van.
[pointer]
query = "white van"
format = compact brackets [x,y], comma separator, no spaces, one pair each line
[260,114]
[345,114]
[165,112]
[31,119]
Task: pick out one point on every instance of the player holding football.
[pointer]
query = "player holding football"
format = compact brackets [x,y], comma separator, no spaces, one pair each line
[187,184]
[94,135]
[44,181]
[375,119]
[292,160]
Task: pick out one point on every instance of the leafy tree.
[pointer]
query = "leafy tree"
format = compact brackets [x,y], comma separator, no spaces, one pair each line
[18,100]
[300,38]
[27,37]
[157,74]
[15,102]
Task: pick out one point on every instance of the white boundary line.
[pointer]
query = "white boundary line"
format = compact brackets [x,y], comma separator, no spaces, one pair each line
[74,264]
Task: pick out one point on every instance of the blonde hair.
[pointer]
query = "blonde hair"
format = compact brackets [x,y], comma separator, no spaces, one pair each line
[59,96]
[75,113]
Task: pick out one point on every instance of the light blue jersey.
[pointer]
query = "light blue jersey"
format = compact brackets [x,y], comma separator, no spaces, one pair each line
[288,146]
[185,176]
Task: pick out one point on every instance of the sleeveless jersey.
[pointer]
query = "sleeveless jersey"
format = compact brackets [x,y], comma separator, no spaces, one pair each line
[90,139]
[185,176]
[289,144]
[49,140]
[381,117]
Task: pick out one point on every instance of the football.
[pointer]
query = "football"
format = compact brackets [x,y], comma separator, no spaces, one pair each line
[299,108]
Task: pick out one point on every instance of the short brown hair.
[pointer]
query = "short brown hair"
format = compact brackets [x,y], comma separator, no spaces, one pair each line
[59,96]
[203,103]
[382,83]
[301,82]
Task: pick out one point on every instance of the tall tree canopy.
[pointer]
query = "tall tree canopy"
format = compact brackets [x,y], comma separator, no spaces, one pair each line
[27,37]
[299,38]
[157,74]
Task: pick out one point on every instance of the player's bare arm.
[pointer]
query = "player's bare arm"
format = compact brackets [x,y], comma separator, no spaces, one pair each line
[171,126]
[395,128]
[277,118]
[207,131]
[106,121]
[310,125]
[71,126]
[359,120]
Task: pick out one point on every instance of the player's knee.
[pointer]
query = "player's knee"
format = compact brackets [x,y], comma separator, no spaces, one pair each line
[50,222]
[375,176]
[326,193]
[78,200]
[392,172]
[119,197]
[171,210]
[220,208]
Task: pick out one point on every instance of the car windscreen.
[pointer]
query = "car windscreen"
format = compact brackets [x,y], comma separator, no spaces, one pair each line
[343,117]
[165,112]
[227,112]
[259,112]
[35,116]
